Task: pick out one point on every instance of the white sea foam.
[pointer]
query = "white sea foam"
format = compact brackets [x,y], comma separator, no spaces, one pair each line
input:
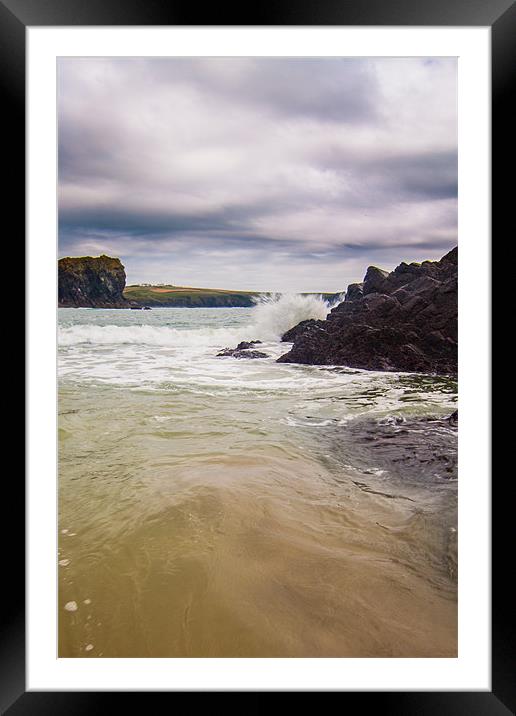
[268,320]
[276,314]
[143,335]
[174,351]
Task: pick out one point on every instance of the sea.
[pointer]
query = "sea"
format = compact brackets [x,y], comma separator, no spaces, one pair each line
[221,507]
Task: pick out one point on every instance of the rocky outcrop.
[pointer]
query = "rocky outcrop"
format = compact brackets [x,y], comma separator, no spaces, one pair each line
[354,292]
[291,335]
[405,320]
[246,354]
[243,351]
[243,345]
[374,281]
[93,282]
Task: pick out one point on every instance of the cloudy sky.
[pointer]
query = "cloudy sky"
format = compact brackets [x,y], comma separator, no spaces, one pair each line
[257,173]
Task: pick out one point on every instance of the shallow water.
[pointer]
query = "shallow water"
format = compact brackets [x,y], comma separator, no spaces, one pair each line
[220,507]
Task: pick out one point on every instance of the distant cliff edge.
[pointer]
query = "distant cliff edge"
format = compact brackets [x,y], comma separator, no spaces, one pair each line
[100,282]
[91,282]
[188,297]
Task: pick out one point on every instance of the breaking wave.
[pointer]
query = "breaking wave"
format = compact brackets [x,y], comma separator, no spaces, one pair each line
[269,319]
[274,314]
[144,335]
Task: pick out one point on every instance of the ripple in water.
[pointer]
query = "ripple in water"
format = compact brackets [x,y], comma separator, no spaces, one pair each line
[248,508]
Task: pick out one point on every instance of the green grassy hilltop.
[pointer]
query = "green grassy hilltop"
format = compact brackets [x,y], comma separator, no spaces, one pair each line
[190,297]
[99,282]
[187,296]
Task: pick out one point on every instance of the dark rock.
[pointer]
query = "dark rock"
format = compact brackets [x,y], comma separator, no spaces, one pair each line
[242,351]
[314,339]
[243,345]
[291,335]
[405,320]
[452,257]
[355,292]
[414,450]
[93,282]
[454,419]
[249,354]
[374,280]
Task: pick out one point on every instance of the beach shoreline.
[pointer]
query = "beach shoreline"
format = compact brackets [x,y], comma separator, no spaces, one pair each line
[210,507]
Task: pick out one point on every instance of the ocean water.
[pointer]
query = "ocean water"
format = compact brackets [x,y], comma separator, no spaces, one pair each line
[215,507]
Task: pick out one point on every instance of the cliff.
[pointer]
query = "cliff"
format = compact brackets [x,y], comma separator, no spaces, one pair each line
[187,297]
[93,282]
[405,320]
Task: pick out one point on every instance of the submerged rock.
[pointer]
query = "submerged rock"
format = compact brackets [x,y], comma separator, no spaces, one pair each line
[242,351]
[403,449]
[405,320]
[249,354]
[243,345]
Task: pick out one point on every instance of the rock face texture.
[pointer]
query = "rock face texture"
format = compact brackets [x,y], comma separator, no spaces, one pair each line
[354,292]
[291,335]
[94,282]
[405,320]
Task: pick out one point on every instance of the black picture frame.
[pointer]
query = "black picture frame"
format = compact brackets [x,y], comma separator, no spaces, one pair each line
[15,17]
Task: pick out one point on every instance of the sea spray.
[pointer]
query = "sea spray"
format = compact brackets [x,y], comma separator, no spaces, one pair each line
[275,314]
[269,319]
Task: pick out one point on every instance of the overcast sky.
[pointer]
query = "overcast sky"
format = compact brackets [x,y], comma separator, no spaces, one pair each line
[257,173]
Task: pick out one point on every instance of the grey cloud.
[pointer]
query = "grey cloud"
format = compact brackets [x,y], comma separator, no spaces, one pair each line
[395,175]
[343,91]
[319,162]
[429,175]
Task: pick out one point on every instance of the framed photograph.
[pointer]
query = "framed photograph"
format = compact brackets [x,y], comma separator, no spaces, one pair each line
[258,276]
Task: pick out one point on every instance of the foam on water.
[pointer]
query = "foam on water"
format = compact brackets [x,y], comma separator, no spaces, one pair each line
[202,483]
[171,348]
[267,321]
[144,335]
[175,351]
